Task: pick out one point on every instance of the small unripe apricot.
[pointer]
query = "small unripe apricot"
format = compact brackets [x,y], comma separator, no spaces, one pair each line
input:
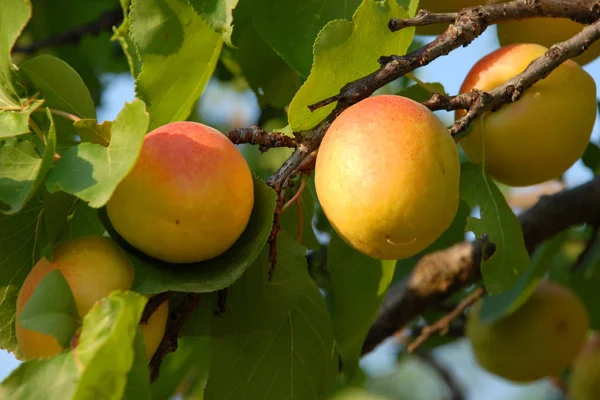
[93,266]
[544,132]
[387,176]
[189,196]
[540,339]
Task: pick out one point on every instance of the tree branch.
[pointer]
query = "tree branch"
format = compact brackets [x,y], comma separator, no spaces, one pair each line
[153,303]
[104,22]
[174,325]
[437,275]
[456,392]
[257,136]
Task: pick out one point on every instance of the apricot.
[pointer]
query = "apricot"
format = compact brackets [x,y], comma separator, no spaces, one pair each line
[584,381]
[541,338]
[387,176]
[543,133]
[442,6]
[544,31]
[93,266]
[189,196]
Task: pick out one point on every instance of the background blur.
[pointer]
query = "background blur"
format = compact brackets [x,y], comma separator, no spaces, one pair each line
[228,106]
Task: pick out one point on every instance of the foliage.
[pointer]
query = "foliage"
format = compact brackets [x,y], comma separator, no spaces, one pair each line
[283,313]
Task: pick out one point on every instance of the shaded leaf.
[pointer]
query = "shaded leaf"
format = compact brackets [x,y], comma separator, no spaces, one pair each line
[358,287]
[345,51]
[591,158]
[138,380]
[22,170]
[499,222]
[89,130]
[179,52]
[60,84]
[123,35]
[15,121]
[422,92]
[218,14]
[58,317]
[155,276]
[91,171]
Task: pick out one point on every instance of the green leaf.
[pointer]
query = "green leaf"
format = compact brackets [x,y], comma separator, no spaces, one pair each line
[123,35]
[358,287]
[189,364]
[287,351]
[591,158]
[179,52]
[15,121]
[18,247]
[105,353]
[22,170]
[218,14]
[499,222]
[301,225]
[138,380]
[346,51]
[155,276]
[53,378]
[58,317]
[423,91]
[89,130]
[14,15]
[91,171]
[291,30]
[61,86]
[501,305]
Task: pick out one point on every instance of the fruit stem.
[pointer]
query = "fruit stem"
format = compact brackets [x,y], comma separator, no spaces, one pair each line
[295,197]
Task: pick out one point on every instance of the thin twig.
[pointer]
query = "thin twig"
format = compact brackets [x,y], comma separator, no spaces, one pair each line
[104,22]
[174,324]
[153,303]
[456,392]
[443,324]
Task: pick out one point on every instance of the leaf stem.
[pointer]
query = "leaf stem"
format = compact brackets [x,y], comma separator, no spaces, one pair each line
[60,113]
[419,82]
[37,130]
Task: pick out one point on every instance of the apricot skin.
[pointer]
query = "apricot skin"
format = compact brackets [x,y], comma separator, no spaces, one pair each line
[442,6]
[188,197]
[584,381]
[540,339]
[387,176]
[544,31]
[544,132]
[93,266]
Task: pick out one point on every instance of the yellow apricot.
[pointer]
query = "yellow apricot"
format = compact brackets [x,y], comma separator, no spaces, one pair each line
[540,339]
[584,381]
[154,329]
[387,175]
[188,197]
[543,133]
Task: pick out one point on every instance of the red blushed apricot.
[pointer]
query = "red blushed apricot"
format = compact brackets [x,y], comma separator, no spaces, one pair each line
[544,132]
[387,176]
[189,196]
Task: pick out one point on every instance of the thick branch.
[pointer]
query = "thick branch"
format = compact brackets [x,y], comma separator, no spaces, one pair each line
[104,22]
[266,140]
[437,275]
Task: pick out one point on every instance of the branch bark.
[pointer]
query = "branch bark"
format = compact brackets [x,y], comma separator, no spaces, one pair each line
[437,275]
[257,136]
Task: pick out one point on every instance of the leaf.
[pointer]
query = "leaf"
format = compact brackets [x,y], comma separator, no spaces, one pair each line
[423,91]
[591,158]
[14,15]
[17,245]
[123,35]
[286,352]
[499,222]
[15,121]
[358,287]
[189,364]
[291,30]
[51,378]
[155,276]
[61,86]
[218,14]
[22,170]
[58,317]
[301,226]
[345,51]
[138,380]
[90,131]
[179,52]
[105,352]
[91,171]
[498,306]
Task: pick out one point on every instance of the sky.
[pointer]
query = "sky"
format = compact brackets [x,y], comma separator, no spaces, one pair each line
[450,71]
